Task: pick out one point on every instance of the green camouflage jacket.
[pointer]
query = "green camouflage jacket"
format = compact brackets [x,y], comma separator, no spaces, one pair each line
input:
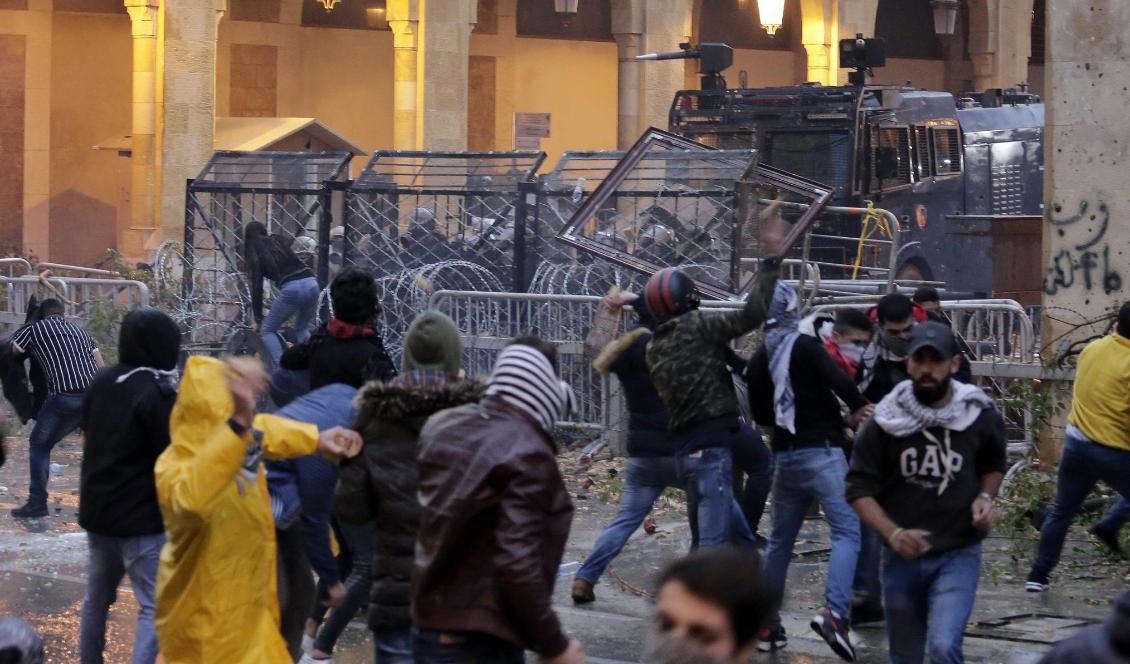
[687,357]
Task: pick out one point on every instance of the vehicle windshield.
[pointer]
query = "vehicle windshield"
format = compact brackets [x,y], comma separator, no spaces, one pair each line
[823,156]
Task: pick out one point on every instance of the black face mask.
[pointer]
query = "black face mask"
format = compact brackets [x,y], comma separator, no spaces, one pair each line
[895,344]
[931,392]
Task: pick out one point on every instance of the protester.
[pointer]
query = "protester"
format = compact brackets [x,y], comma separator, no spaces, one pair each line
[125,418]
[709,608]
[793,387]
[1109,642]
[302,491]
[651,450]
[927,298]
[851,333]
[1096,445]
[688,361]
[216,584]
[69,358]
[346,349]
[379,487]
[884,361]
[925,471]
[270,257]
[495,518]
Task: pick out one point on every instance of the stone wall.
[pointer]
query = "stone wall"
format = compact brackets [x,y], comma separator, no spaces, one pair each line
[1086,237]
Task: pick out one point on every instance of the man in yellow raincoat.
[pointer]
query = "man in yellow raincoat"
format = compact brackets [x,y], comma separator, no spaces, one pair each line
[216,598]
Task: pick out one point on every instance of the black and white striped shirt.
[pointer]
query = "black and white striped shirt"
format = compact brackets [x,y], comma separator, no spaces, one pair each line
[64,350]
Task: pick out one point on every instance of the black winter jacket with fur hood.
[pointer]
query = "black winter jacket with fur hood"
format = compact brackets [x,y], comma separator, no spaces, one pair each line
[379,486]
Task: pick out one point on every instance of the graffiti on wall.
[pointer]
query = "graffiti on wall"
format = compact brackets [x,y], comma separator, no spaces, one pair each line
[1087,265]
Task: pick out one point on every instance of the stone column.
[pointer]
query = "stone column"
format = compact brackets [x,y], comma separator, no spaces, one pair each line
[404,20]
[143,134]
[1000,42]
[646,89]
[1086,241]
[628,106]
[819,34]
[189,100]
[444,47]
[37,129]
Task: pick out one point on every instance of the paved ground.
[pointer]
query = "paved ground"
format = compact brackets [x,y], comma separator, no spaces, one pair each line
[42,575]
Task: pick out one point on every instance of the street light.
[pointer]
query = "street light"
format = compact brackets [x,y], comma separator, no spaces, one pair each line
[945,15]
[567,8]
[772,14]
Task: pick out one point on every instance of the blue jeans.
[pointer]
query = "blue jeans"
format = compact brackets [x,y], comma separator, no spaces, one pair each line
[59,416]
[1084,462]
[111,558]
[297,299]
[358,539]
[644,481]
[394,646]
[432,647]
[799,477]
[927,602]
[1116,516]
[707,476]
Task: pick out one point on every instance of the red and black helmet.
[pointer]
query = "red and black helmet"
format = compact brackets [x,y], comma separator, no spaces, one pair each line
[670,292]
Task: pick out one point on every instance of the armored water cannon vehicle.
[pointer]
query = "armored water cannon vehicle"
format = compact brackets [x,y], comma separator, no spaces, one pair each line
[954,171]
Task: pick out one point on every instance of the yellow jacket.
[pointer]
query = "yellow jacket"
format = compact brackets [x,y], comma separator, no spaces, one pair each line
[216,597]
[1100,403]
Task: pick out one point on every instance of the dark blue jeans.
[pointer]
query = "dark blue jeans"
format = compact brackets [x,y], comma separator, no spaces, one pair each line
[394,646]
[927,602]
[644,481]
[707,476]
[1084,462]
[59,416]
[751,456]
[1116,516]
[111,558]
[464,648]
[358,539]
[866,584]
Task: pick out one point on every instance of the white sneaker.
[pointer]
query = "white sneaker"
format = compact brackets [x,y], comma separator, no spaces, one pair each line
[307,643]
[307,658]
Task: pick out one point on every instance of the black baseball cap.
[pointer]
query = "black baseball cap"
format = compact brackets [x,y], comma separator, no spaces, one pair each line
[931,334]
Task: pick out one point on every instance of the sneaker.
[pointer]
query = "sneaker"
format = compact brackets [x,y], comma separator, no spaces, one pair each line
[867,611]
[1034,586]
[307,658]
[307,642]
[834,630]
[1107,537]
[29,511]
[770,639]
[583,592]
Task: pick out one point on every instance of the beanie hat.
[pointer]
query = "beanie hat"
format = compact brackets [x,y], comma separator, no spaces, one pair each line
[432,342]
[524,377]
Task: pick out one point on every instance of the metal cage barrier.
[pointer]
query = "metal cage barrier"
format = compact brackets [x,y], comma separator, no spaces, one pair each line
[291,193]
[428,221]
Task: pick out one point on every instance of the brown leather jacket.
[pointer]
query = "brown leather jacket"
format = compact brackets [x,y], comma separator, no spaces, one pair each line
[495,520]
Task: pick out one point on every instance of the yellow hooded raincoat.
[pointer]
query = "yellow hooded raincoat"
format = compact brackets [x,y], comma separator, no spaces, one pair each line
[216,597]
